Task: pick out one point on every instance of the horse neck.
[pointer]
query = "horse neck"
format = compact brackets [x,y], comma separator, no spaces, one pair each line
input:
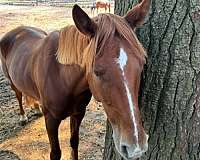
[74,78]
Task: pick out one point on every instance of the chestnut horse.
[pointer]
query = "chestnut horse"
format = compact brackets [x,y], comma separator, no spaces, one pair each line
[101,4]
[100,56]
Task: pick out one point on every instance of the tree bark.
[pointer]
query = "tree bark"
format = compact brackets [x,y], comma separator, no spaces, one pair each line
[171,90]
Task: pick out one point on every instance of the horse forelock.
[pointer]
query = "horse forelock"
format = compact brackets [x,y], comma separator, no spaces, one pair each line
[110,25]
[76,48]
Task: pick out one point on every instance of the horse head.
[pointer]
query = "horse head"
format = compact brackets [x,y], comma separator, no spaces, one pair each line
[114,73]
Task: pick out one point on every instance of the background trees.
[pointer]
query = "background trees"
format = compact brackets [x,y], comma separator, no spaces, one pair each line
[171,88]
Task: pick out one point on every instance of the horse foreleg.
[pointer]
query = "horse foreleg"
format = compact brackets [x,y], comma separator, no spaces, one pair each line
[91,10]
[23,117]
[75,122]
[52,126]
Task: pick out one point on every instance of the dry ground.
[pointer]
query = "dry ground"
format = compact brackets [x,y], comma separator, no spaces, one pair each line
[31,142]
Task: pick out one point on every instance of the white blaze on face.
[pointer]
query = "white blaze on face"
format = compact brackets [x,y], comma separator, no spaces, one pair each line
[122,60]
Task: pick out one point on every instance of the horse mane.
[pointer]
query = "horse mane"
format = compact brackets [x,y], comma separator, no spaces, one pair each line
[71,45]
[76,48]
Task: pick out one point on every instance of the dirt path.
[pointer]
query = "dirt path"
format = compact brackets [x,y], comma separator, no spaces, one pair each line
[30,142]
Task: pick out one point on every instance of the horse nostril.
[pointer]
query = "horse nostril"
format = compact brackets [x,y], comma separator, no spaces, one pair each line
[127,150]
[124,150]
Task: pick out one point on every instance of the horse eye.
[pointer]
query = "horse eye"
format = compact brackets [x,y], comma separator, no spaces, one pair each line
[99,72]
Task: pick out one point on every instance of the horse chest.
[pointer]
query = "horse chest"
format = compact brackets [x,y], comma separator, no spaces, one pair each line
[62,106]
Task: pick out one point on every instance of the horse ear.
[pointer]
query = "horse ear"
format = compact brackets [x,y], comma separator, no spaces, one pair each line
[83,22]
[136,15]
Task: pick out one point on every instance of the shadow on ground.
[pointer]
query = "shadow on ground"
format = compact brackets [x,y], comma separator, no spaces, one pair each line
[7,155]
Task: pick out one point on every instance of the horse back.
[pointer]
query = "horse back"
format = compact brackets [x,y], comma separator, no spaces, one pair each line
[15,52]
[8,40]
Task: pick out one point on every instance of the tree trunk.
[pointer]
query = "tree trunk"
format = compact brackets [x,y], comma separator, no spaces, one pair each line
[171,90]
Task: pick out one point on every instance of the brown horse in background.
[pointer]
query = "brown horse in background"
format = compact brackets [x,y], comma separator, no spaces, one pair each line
[101,4]
[101,56]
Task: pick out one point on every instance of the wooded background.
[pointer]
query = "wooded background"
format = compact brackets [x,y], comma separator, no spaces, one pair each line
[171,87]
